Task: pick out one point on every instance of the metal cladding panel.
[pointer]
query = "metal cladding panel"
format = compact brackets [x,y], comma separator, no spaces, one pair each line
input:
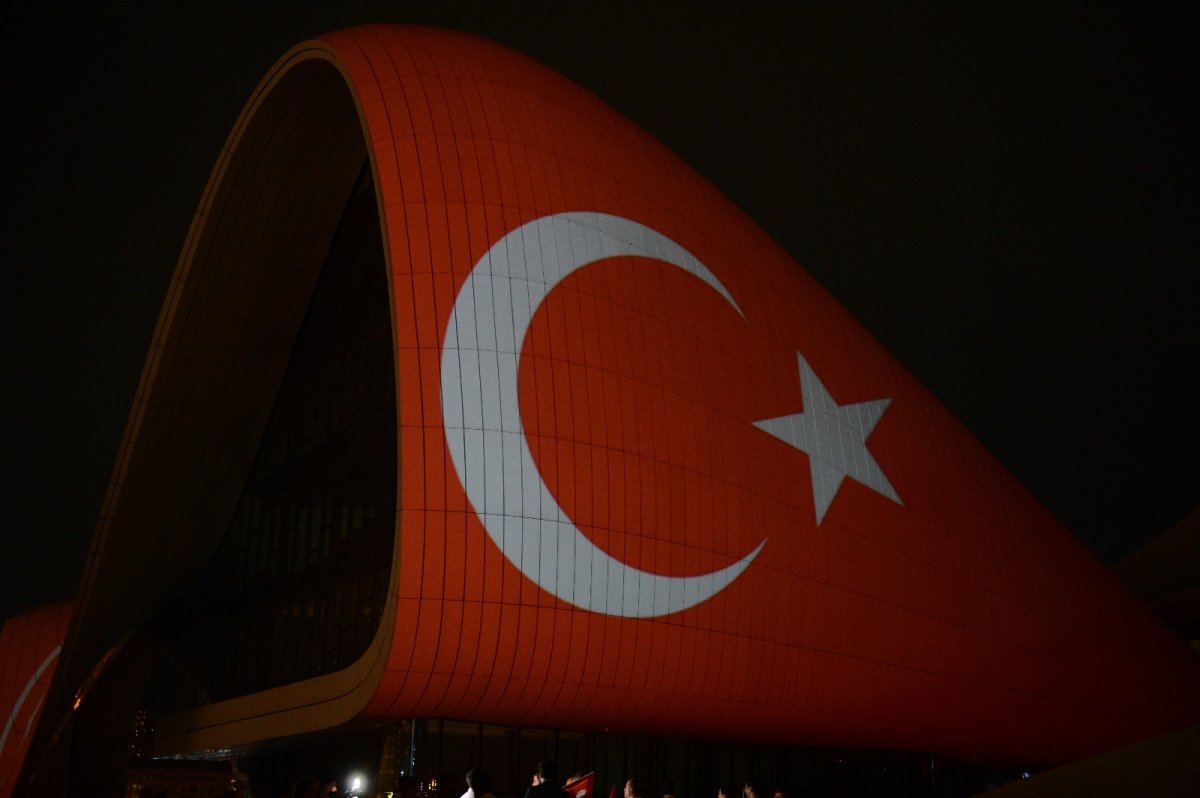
[29,647]
[653,478]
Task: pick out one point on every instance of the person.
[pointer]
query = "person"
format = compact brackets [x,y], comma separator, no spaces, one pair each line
[753,789]
[306,787]
[668,789]
[479,783]
[543,782]
[724,792]
[633,789]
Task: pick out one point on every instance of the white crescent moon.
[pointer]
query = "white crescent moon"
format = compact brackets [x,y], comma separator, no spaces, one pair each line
[482,417]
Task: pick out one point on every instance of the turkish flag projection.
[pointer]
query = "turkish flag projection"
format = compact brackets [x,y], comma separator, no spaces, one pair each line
[29,647]
[655,479]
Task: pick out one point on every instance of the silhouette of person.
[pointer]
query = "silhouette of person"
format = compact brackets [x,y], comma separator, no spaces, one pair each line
[543,782]
[306,787]
[479,783]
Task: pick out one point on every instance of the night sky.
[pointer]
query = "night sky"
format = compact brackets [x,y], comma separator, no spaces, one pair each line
[1005,198]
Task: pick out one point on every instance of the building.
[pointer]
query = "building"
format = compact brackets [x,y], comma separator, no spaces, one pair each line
[30,644]
[477,427]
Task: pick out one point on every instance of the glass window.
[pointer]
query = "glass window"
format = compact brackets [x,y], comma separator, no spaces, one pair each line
[307,557]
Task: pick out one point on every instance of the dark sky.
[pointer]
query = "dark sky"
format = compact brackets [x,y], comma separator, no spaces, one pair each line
[1005,198]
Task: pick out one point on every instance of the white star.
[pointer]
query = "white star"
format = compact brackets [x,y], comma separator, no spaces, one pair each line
[834,438]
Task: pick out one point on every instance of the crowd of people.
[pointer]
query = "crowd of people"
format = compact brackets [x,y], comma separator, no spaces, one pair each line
[751,788]
[544,784]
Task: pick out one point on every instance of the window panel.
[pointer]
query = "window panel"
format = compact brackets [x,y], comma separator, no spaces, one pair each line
[308,551]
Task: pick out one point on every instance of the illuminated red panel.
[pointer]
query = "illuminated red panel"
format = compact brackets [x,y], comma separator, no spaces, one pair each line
[29,648]
[654,478]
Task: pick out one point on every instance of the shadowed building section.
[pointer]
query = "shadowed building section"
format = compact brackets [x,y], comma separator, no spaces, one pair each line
[1166,573]
[472,410]
[1162,767]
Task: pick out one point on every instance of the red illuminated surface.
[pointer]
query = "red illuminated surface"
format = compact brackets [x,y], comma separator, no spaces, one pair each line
[962,619]
[29,648]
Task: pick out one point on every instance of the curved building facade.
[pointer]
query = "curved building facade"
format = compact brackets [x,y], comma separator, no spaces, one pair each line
[469,400]
[30,645]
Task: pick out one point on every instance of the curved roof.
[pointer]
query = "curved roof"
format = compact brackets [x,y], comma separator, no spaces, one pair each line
[905,591]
